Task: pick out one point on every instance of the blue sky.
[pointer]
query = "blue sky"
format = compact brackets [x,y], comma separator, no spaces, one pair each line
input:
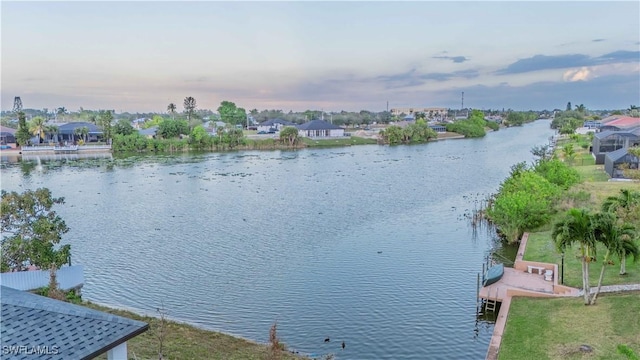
[139,56]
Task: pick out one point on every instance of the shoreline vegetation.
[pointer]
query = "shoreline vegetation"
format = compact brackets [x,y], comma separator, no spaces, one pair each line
[288,139]
[564,328]
[179,340]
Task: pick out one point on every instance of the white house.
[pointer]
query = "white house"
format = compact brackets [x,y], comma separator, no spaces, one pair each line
[319,128]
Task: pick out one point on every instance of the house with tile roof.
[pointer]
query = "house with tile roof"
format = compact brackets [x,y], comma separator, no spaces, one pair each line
[615,123]
[37,327]
[621,123]
[319,129]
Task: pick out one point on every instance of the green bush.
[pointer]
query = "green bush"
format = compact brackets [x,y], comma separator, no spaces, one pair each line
[524,202]
[558,173]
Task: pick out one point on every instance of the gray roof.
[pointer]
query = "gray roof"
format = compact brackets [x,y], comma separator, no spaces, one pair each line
[68,331]
[631,133]
[69,128]
[276,121]
[8,130]
[317,125]
[616,154]
[148,132]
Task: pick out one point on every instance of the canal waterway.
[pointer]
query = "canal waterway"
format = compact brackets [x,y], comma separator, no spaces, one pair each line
[367,244]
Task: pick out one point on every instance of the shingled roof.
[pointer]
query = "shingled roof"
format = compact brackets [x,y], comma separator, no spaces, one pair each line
[272,122]
[61,330]
[318,125]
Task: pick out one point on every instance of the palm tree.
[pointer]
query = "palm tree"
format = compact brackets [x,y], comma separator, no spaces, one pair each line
[627,247]
[623,205]
[37,127]
[61,111]
[54,131]
[171,108]
[78,132]
[581,108]
[612,235]
[84,131]
[220,132]
[189,106]
[569,152]
[577,226]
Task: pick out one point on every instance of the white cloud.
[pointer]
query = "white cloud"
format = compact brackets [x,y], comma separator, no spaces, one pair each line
[587,73]
[581,74]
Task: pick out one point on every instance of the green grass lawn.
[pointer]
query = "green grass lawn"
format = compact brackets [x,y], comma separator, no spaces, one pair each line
[183,341]
[540,247]
[541,329]
[353,140]
[592,172]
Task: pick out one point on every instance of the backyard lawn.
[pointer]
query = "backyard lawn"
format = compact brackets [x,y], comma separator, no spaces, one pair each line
[540,247]
[556,328]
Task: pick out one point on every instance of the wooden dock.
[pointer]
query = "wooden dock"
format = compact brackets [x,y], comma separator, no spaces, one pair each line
[518,281]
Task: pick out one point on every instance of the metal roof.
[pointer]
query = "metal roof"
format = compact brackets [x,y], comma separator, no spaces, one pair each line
[616,154]
[63,330]
[69,128]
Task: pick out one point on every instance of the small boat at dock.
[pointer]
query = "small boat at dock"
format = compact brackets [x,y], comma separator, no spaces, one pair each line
[493,274]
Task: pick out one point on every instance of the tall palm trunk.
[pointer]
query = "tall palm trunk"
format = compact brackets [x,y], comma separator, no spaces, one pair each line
[586,261]
[623,265]
[585,281]
[605,262]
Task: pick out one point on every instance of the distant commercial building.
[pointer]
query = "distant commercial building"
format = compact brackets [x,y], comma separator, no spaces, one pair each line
[430,112]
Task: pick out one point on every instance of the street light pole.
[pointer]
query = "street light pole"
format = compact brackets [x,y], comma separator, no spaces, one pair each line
[562,270]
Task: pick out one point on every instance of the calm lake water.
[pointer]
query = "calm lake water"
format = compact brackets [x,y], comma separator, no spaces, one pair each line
[365,244]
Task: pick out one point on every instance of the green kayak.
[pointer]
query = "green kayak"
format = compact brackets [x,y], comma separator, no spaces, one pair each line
[493,274]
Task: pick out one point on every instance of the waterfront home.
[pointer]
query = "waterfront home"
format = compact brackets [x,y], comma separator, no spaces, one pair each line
[149,133]
[319,129]
[618,123]
[274,125]
[212,126]
[610,140]
[39,327]
[67,132]
[613,160]
[7,136]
